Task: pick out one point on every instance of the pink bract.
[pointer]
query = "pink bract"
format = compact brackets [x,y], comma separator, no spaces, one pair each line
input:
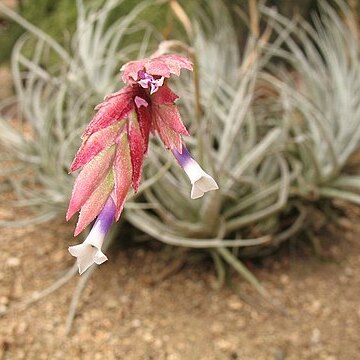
[116,139]
[163,65]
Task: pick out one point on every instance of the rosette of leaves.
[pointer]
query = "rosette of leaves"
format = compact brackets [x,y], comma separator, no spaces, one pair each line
[320,93]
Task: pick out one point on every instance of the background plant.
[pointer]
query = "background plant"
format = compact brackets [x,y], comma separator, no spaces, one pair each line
[277,138]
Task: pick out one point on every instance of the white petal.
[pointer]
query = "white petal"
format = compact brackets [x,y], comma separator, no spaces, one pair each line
[89,252]
[201,181]
[196,192]
[144,83]
[160,82]
[100,257]
[153,88]
[204,184]
[84,254]
[75,250]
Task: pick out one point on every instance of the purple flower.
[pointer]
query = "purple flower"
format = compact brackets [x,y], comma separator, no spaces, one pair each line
[201,182]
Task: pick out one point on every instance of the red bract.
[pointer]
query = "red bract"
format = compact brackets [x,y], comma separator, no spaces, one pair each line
[116,140]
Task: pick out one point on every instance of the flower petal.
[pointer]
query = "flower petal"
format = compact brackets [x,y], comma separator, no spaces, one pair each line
[84,254]
[204,184]
[139,101]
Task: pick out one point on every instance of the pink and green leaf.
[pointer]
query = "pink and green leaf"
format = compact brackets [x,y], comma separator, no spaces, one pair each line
[93,144]
[168,115]
[123,174]
[145,123]
[115,108]
[130,70]
[164,96]
[170,138]
[137,148]
[91,176]
[95,203]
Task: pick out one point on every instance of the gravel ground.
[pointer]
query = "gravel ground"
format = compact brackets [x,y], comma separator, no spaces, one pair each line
[123,315]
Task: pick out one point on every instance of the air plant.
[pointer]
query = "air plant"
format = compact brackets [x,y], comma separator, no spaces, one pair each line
[272,139]
[320,91]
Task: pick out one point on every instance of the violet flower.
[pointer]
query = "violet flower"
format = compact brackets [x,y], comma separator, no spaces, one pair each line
[201,182]
[89,252]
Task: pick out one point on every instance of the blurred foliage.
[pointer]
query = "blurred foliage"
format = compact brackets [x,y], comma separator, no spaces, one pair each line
[54,17]
[58,18]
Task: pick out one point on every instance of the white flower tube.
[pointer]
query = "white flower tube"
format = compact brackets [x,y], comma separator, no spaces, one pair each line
[201,182]
[89,252]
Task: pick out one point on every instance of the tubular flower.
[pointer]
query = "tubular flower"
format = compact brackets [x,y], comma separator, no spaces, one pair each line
[201,182]
[89,251]
[115,143]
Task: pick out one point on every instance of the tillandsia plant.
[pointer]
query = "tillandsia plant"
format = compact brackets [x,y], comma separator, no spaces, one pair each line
[321,96]
[115,142]
[272,141]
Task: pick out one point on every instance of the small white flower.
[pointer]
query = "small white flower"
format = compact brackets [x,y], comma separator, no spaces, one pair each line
[89,252]
[201,181]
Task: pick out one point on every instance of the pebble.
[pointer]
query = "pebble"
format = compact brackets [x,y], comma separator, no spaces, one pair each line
[284,279]
[136,323]
[13,262]
[315,307]
[235,304]
[225,344]
[217,328]
[148,337]
[4,300]
[3,309]
[315,336]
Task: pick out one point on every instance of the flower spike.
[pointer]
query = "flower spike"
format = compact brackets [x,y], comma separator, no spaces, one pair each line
[201,182]
[114,146]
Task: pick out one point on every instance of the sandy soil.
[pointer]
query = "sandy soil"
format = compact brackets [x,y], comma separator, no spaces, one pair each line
[122,316]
